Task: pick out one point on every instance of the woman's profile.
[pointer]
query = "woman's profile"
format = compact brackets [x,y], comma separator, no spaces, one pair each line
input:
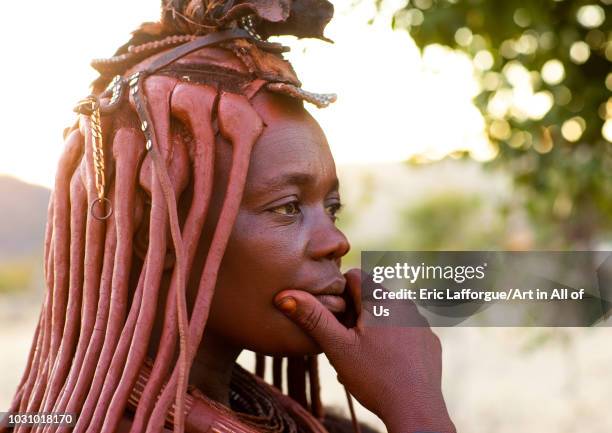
[193,217]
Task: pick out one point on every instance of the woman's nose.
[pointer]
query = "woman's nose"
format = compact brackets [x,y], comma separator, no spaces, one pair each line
[327,241]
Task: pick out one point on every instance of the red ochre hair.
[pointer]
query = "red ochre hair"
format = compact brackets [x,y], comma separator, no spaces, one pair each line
[104,275]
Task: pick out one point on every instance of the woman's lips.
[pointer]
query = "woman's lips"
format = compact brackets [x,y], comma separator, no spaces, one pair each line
[334,303]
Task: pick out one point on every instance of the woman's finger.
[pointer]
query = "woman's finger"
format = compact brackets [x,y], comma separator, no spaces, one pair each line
[316,320]
[353,286]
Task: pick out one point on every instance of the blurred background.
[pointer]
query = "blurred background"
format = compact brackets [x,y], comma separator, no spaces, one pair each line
[460,125]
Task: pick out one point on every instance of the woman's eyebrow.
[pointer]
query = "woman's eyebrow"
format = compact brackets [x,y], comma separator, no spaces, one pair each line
[297,179]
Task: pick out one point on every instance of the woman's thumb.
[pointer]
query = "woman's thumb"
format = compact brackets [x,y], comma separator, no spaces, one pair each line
[310,315]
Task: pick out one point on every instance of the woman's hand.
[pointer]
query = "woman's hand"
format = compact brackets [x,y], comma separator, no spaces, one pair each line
[394,372]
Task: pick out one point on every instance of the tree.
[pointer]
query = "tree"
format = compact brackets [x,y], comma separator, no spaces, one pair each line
[545,73]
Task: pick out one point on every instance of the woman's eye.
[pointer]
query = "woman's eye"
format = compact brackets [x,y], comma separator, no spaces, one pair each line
[289,209]
[333,210]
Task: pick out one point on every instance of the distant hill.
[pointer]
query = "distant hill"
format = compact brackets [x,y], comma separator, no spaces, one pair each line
[23,215]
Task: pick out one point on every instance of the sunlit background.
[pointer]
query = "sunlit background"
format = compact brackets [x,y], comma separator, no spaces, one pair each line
[497,134]
[364,66]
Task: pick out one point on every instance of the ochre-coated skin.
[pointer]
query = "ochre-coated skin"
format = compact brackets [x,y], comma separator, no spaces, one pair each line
[222,238]
[283,242]
[284,236]
[406,394]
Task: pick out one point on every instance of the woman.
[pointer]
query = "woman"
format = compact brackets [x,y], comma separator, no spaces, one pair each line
[198,172]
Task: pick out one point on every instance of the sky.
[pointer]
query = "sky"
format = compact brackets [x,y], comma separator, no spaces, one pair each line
[393,101]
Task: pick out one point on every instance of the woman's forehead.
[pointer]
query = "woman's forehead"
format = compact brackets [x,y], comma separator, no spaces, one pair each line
[291,152]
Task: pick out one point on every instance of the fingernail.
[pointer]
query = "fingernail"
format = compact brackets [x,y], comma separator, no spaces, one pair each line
[287,305]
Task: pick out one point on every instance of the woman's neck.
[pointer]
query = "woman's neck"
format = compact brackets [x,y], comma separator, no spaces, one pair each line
[212,368]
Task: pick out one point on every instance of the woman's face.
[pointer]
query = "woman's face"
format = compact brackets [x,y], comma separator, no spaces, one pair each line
[285,235]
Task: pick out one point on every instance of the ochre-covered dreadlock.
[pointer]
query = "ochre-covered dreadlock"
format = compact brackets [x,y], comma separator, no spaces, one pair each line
[105,276]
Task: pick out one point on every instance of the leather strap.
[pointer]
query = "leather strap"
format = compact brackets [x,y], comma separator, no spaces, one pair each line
[190,47]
